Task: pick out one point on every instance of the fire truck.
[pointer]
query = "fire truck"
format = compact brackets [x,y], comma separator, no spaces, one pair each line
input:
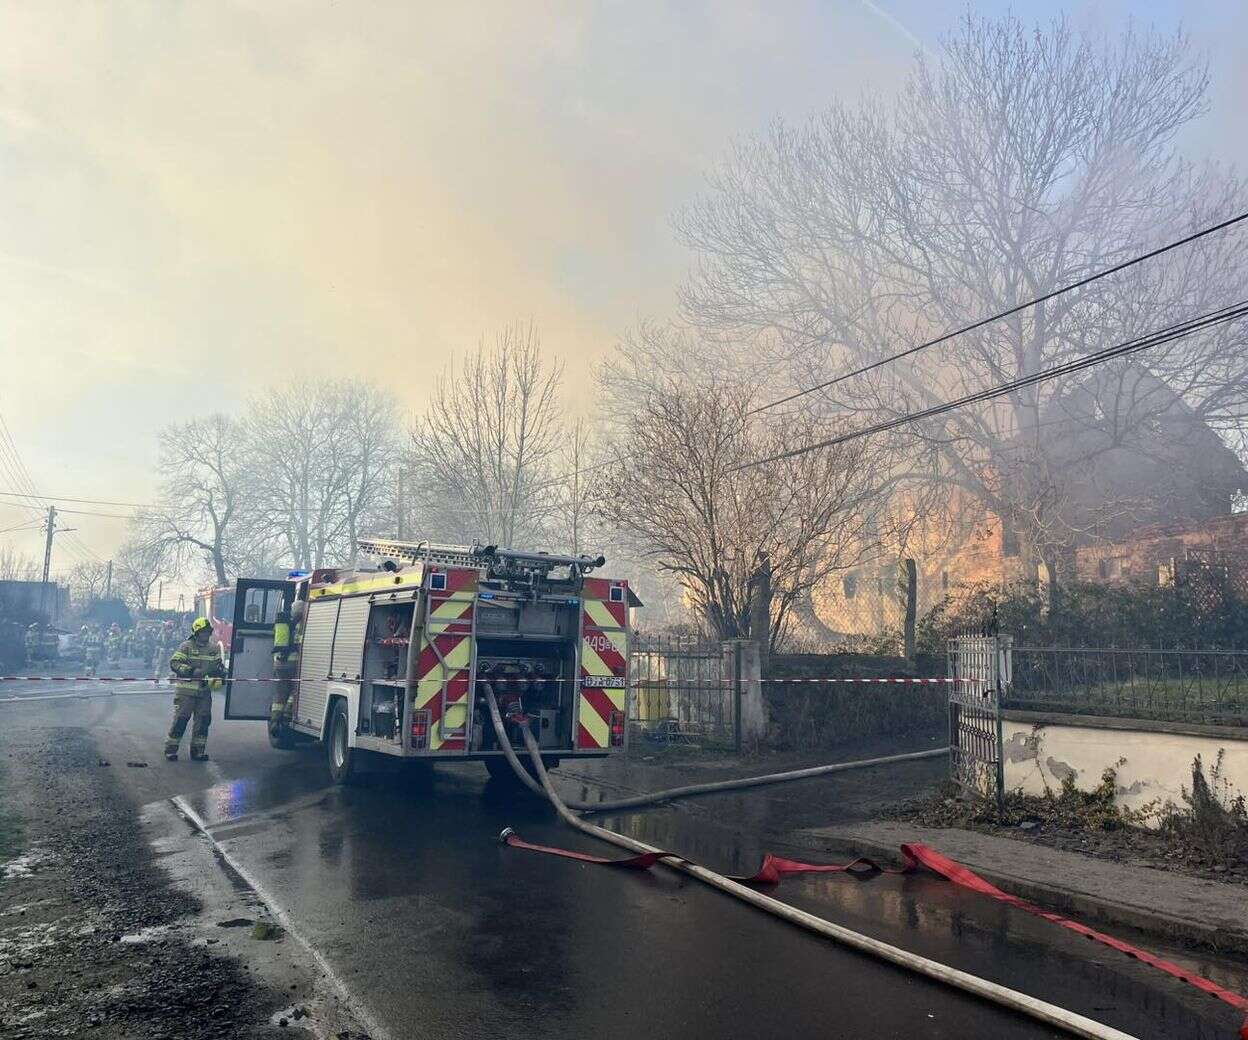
[216,603]
[395,655]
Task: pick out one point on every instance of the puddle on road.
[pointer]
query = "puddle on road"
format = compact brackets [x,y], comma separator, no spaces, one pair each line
[925,914]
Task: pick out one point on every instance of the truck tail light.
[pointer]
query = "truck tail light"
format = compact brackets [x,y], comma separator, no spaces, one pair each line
[420,729]
[617,729]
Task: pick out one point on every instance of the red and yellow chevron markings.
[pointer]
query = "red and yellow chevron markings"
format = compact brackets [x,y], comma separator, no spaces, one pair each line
[442,670]
[604,663]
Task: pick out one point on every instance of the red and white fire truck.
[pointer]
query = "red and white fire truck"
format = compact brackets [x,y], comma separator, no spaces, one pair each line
[216,603]
[394,655]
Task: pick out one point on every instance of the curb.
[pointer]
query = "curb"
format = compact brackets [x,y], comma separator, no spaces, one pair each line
[1223,940]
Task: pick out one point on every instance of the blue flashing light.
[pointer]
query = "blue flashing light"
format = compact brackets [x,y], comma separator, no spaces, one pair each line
[486,595]
[298,574]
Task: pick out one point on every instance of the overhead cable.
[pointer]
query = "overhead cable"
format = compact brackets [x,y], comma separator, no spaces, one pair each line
[1152,253]
[88,501]
[1169,334]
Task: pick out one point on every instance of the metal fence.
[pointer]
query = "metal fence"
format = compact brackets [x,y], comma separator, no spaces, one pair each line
[682,692]
[1200,686]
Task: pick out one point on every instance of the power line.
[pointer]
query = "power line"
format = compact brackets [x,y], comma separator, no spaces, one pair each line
[1168,334]
[88,501]
[92,512]
[1223,225]
[73,543]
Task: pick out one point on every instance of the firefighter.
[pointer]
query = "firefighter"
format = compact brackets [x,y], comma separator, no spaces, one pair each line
[112,642]
[164,646]
[144,643]
[196,663]
[34,642]
[92,647]
[286,646]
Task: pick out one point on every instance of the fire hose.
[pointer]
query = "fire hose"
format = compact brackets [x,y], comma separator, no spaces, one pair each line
[1073,1023]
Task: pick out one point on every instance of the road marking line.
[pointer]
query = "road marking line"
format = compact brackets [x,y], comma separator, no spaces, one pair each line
[375,1028]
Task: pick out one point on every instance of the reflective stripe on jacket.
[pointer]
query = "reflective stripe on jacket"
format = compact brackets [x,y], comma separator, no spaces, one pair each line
[281,638]
[190,663]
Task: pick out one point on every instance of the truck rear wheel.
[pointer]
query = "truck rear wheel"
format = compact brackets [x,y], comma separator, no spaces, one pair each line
[338,752]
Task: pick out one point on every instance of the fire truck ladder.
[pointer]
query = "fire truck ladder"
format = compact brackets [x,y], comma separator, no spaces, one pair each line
[475,555]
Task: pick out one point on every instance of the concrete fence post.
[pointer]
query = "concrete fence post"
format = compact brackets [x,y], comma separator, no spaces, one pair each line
[749,710]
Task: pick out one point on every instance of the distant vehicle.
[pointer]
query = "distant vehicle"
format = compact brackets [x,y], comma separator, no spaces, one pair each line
[395,657]
[216,603]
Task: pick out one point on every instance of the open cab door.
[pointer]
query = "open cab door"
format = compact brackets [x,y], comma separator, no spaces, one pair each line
[257,602]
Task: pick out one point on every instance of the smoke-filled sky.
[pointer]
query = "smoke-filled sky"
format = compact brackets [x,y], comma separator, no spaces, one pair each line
[199,199]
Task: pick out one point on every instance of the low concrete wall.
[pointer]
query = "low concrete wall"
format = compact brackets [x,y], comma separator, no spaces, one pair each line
[807,715]
[1042,748]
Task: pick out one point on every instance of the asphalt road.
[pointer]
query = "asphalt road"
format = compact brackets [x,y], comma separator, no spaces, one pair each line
[440,931]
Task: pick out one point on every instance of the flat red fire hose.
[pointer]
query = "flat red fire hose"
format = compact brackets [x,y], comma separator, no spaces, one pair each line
[775,868]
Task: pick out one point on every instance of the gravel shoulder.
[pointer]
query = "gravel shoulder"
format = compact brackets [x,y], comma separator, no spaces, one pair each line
[97,939]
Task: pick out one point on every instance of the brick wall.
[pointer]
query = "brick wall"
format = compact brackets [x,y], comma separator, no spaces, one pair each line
[1150,554]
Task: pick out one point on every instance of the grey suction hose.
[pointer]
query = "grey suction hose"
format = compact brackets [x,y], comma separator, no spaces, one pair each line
[740,783]
[1073,1023]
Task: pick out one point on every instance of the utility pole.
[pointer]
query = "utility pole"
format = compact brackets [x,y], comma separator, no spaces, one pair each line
[50,525]
[160,594]
[52,532]
[108,582]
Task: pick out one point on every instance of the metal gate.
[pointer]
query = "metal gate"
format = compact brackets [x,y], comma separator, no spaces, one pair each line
[683,692]
[979,672]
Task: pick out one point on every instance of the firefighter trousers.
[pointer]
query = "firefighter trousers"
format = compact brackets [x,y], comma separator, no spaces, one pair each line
[186,706]
[284,672]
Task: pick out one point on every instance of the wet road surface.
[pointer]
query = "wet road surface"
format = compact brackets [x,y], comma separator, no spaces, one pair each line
[442,932]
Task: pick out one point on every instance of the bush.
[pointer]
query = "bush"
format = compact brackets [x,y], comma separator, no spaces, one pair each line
[1212,828]
[1210,614]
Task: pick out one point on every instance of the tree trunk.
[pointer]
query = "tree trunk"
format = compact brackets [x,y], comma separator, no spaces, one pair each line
[911,592]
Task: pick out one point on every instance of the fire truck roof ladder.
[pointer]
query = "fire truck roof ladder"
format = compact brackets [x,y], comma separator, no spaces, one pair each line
[475,555]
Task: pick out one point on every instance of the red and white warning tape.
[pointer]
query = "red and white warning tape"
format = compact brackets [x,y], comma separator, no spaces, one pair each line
[903,681]
[111,678]
[645,684]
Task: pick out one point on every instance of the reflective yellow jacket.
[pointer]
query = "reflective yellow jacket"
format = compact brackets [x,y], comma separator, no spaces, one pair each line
[195,665]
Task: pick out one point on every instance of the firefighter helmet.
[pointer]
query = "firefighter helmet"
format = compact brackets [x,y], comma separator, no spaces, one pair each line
[199,624]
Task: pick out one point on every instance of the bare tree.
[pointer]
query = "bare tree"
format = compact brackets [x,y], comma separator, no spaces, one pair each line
[371,428]
[139,564]
[481,456]
[573,517]
[323,454]
[88,580]
[676,489]
[1017,161]
[205,490]
[16,566]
